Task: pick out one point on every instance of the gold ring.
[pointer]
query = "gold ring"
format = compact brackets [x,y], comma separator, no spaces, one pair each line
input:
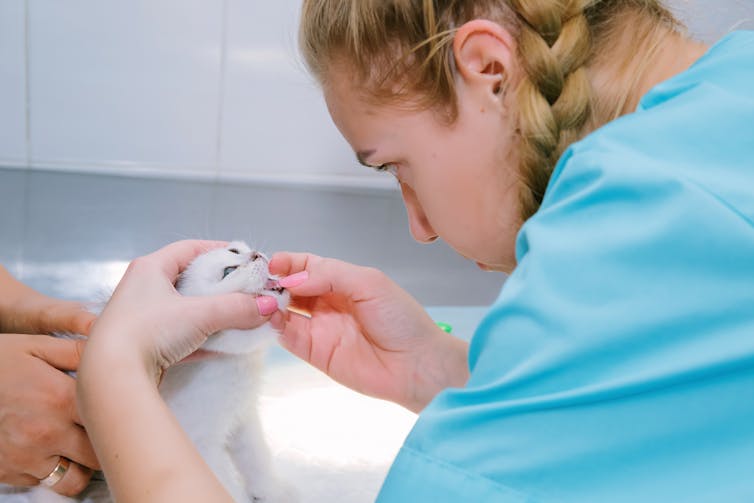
[57,473]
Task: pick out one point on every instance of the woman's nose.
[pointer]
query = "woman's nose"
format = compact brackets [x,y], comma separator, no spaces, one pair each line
[418,224]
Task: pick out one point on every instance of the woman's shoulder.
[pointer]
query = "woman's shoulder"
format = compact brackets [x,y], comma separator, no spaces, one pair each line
[692,130]
[728,65]
[695,102]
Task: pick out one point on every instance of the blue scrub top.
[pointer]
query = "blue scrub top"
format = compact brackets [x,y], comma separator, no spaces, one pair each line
[617,363]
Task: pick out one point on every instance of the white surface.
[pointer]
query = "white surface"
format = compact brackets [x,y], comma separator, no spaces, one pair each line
[115,82]
[329,442]
[709,21]
[12,83]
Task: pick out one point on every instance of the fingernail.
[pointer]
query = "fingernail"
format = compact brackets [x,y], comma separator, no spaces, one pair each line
[294,279]
[266,305]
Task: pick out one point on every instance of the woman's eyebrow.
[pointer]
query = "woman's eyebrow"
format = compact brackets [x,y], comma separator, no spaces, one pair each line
[362,157]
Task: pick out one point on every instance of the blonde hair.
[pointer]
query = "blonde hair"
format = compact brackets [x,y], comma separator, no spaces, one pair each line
[401,51]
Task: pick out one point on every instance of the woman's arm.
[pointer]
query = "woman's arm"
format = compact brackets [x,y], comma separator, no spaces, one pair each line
[145,454]
[146,327]
[443,365]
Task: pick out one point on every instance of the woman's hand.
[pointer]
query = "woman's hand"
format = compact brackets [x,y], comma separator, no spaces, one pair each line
[147,318]
[366,332]
[146,327]
[38,417]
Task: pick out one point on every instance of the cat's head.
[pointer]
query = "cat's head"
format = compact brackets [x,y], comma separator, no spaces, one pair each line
[234,268]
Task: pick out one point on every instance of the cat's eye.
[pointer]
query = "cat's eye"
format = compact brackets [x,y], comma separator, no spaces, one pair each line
[233,250]
[229,270]
[255,256]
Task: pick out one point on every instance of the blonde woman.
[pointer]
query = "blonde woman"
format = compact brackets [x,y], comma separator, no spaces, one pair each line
[588,148]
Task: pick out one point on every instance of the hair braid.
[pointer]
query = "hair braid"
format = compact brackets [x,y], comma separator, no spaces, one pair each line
[554,94]
[400,52]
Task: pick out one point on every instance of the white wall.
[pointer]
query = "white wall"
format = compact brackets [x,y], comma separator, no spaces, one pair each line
[191,88]
[12,83]
[709,19]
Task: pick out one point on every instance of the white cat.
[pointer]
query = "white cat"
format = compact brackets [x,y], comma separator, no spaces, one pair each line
[214,394]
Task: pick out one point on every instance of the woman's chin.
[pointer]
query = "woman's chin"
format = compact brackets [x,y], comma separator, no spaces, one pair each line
[504,268]
[494,268]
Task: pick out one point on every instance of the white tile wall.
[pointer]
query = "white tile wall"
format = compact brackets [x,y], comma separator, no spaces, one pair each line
[134,82]
[193,88]
[12,83]
[275,122]
[709,21]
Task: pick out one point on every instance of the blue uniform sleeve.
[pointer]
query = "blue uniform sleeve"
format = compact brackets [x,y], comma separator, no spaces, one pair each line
[617,363]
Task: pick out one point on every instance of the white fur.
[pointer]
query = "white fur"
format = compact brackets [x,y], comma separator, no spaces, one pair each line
[214,399]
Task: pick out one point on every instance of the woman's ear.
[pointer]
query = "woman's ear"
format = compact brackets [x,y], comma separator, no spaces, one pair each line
[485,54]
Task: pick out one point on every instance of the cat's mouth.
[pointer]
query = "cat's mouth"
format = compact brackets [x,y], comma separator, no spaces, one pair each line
[272,285]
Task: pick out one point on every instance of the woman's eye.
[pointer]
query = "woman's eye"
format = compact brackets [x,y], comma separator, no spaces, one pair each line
[229,270]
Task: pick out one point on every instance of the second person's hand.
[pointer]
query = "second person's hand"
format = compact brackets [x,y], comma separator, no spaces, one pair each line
[24,310]
[366,332]
[38,418]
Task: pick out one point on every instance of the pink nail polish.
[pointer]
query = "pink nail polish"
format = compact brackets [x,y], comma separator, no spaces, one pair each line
[266,305]
[294,279]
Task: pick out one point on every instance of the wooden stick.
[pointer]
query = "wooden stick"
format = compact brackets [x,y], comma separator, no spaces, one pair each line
[301,312]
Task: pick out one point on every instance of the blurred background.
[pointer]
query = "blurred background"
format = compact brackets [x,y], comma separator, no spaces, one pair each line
[127,125]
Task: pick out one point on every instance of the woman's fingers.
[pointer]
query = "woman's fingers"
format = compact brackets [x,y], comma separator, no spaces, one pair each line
[175,257]
[221,312]
[297,340]
[327,275]
[285,263]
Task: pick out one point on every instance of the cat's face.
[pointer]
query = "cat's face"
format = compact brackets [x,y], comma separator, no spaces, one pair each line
[235,268]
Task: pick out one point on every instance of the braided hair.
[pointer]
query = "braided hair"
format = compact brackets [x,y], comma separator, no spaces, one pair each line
[400,51]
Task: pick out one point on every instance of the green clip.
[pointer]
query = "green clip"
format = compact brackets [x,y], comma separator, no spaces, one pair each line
[445,327]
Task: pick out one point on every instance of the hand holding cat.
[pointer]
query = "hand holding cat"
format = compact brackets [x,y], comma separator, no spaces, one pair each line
[38,418]
[366,332]
[147,318]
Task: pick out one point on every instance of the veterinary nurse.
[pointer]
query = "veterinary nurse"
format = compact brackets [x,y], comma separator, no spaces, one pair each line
[588,148]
